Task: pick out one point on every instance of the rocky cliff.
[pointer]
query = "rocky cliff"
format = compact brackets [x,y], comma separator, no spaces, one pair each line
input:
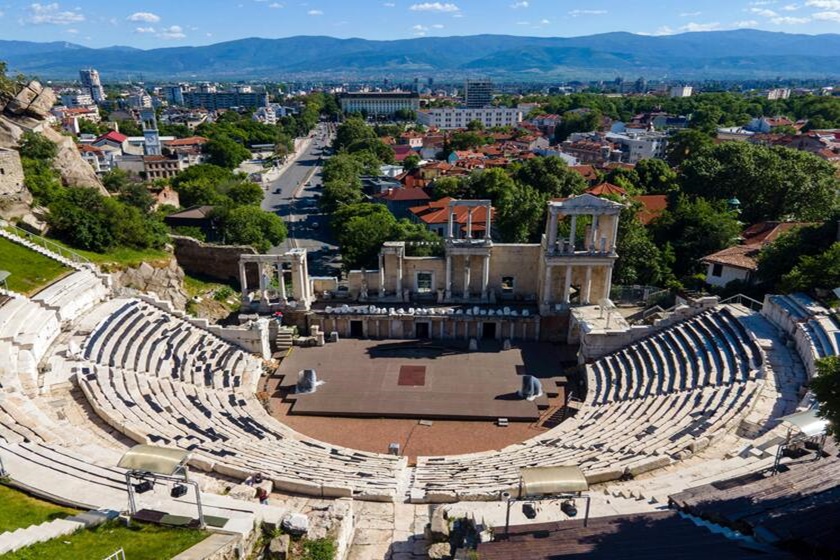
[29,111]
[163,279]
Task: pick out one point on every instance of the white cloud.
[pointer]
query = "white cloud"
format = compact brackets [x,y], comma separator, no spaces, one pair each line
[694,27]
[419,27]
[146,17]
[523,23]
[827,16]
[824,4]
[275,5]
[389,4]
[172,32]
[315,13]
[790,7]
[434,7]
[52,14]
[437,26]
[745,23]
[764,12]
[144,29]
[576,13]
[517,5]
[787,20]
[71,31]
[544,21]
[690,14]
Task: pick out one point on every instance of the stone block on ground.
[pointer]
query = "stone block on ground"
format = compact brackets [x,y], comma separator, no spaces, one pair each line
[295,524]
[439,551]
[278,548]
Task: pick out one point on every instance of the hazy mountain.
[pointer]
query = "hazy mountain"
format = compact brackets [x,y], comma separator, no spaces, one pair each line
[721,54]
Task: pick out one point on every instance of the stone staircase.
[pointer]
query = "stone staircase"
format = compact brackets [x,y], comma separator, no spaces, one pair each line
[11,541]
[284,338]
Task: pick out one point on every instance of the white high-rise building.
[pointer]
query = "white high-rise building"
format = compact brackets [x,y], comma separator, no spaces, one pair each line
[682,91]
[90,82]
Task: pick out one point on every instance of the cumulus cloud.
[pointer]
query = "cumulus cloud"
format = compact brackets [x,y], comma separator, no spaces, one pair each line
[145,17]
[315,13]
[53,15]
[787,20]
[824,4]
[275,5]
[517,5]
[172,32]
[827,16]
[434,7]
[694,27]
[576,13]
[144,29]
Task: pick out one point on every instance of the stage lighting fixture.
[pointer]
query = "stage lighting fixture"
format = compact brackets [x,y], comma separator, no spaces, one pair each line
[568,507]
[178,490]
[142,487]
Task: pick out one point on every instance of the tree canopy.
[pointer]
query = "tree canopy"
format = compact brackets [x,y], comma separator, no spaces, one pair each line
[826,387]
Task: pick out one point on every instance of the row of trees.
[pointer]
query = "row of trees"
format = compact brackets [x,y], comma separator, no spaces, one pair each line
[237,216]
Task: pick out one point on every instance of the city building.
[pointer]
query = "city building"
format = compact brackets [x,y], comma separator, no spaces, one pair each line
[682,91]
[151,144]
[212,100]
[174,95]
[447,118]
[435,216]
[74,98]
[638,145]
[379,103]
[778,93]
[91,83]
[478,93]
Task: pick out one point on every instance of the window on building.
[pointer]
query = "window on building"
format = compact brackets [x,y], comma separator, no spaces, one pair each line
[507,284]
[717,270]
[424,282]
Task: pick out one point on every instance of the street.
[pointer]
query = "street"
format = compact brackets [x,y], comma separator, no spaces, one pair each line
[294,197]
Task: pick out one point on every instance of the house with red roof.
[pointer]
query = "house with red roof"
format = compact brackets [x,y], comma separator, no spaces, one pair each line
[111,140]
[400,201]
[435,216]
[741,261]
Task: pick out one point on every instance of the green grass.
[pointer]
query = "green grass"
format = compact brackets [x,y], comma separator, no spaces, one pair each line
[122,257]
[18,510]
[30,270]
[140,542]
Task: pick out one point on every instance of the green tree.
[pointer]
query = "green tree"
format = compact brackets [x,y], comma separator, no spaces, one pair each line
[351,131]
[577,121]
[37,146]
[116,179]
[475,125]
[467,140]
[243,193]
[360,230]
[405,115]
[129,128]
[686,144]
[37,154]
[522,220]
[138,196]
[225,152]
[782,255]
[249,225]
[774,183]
[826,387]
[694,229]
[814,272]
[550,176]
[411,162]
[656,176]
[640,261]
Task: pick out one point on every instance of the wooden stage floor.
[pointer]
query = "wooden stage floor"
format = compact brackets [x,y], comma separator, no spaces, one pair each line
[413,379]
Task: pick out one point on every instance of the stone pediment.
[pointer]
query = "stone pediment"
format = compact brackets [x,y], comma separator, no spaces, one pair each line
[586,204]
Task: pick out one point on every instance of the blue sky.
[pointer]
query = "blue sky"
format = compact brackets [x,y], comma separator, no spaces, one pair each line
[155,23]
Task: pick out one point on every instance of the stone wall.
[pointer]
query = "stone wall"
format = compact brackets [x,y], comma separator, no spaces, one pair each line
[220,262]
[165,280]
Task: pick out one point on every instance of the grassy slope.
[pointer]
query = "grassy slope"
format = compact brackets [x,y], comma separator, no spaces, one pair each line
[30,270]
[140,542]
[19,510]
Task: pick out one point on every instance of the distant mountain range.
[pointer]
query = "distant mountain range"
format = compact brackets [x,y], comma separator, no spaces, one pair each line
[739,54]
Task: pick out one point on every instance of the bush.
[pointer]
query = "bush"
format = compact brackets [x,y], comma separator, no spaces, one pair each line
[319,549]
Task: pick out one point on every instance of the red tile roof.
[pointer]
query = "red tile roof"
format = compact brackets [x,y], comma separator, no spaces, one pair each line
[767,232]
[437,212]
[395,195]
[113,136]
[190,141]
[607,188]
[739,256]
[652,206]
[586,171]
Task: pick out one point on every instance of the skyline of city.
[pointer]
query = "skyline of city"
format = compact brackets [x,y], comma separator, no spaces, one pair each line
[154,23]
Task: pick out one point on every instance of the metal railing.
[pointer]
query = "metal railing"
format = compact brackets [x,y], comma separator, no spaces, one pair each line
[51,246]
[118,555]
[746,301]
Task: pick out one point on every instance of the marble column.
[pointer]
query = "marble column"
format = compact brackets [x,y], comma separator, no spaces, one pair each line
[587,286]
[485,277]
[243,279]
[614,233]
[593,242]
[572,234]
[381,275]
[567,285]
[467,277]
[552,230]
[469,223]
[547,286]
[399,276]
[448,286]
[281,276]
[487,224]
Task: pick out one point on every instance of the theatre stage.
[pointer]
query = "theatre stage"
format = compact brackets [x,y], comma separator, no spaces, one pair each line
[413,379]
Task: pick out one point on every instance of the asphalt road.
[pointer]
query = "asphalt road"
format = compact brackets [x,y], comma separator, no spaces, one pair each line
[294,197]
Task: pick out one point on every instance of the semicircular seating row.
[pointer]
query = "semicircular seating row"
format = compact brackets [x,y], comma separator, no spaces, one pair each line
[647,405]
[159,379]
